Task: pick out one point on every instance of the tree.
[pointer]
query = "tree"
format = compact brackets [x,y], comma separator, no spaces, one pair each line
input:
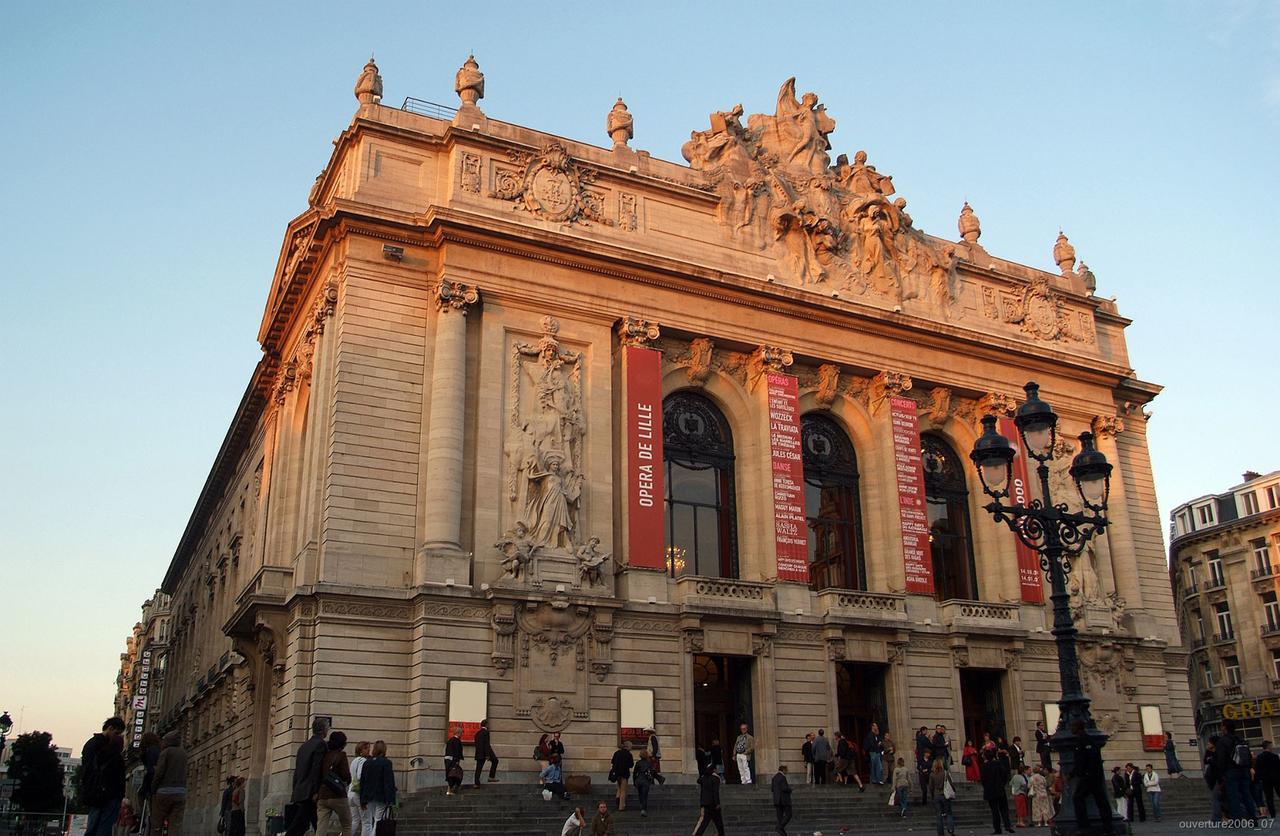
[37,773]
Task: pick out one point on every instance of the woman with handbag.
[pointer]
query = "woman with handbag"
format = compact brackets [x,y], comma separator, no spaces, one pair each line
[335,777]
[377,792]
[969,760]
[943,795]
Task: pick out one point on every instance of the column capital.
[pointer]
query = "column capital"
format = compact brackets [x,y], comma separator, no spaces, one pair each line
[888,384]
[451,295]
[1107,426]
[634,331]
[767,358]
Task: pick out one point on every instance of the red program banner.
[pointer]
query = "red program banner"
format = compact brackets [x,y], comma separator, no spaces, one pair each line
[916,557]
[790,529]
[645,492]
[1020,494]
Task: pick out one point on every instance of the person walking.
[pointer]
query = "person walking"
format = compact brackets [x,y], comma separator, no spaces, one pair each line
[602,824]
[873,745]
[235,808]
[971,762]
[844,756]
[453,762]
[335,779]
[643,777]
[944,794]
[306,779]
[1233,761]
[995,777]
[924,765]
[1042,744]
[1171,764]
[781,788]
[1020,786]
[620,770]
[743,748]
[901,786]
[709,803]
[806,754]
[1136,793]
[1090,780]
[552,779]
[1209,771]
[1120,791]
[941,745]
[821,757]
[169,799]
[102,776]
[225,804]
[484,752]
[1267,767]
[576,824]
[377,788]
[1041,804]
[654,749]
[353,791]
[1151,783]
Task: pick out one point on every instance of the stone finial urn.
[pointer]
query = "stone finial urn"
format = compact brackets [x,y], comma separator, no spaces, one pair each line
[1064,255]
[620,124]
[970,227]
[469,82]
[369,84]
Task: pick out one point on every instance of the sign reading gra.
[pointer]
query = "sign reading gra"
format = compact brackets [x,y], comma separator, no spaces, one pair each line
[916,557]
[790,531]
[645,491]
[140,698]
[1020,493]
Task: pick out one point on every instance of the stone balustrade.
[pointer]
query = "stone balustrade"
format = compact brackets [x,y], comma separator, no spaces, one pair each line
[854,604]
[693,590]
[979,613]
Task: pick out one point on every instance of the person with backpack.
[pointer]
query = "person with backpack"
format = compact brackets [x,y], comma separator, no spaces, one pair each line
[102,777]
[335,778]
[1234,762]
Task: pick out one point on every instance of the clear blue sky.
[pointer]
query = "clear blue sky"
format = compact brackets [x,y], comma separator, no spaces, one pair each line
[154,153]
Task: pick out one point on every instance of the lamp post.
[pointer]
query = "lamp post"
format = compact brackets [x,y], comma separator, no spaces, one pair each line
[1057,534]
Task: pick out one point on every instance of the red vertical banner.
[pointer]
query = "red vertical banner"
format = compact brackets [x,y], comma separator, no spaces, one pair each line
[645,491]
[789,527]
[1020,494]
[916,557]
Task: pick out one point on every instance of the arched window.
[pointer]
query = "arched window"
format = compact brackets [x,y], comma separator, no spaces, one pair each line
[701,517]
[831,505]
[947,501]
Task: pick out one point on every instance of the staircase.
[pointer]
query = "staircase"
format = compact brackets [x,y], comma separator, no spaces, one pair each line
[517,809]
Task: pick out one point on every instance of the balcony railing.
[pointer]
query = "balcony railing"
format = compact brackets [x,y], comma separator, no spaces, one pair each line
[1262,572]
[1232,691]
[1215,583]
[978,613]
[423,107]
[724,592]
[1190,591]
[854,603]
[1223,638]
[1270,630]
[1198,642]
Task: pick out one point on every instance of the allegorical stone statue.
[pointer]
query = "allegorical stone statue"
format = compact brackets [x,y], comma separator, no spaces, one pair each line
[369,85]
[590,561]
[970,227]
[619,124]
[469,82]
[864,179]
[517,550]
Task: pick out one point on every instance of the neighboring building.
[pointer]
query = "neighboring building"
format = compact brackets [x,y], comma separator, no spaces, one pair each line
[581,440]
[1224,558]
[141,668]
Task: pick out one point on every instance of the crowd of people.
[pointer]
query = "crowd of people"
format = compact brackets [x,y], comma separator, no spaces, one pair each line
[1241,783]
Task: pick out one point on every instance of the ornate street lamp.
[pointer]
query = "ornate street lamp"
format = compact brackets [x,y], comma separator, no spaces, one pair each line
[1057,534]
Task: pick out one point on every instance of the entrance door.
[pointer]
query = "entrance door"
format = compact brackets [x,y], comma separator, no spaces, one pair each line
[721,701]
[860,695]
[983,705]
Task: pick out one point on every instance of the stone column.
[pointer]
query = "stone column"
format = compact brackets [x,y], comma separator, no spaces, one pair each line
[441,557]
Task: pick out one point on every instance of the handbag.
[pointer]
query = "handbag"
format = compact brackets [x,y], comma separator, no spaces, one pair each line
[385,826]
[948,791]
[613,776]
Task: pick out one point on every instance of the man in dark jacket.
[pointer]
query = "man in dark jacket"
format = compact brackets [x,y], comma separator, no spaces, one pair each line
[1233,761]
[102,777]
[1267,768]
[941,746]
[873,745]
[1090,780]
[306,779]
[484,752]
[621,767]
[821,757]
[1137,792]
[1042,744]
[995,780]
[781,798]
[709,803]
[806,755]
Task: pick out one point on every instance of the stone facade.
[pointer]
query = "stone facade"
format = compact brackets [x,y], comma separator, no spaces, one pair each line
[1225,569]
[426,480]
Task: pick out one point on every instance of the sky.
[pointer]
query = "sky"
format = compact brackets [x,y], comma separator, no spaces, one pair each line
[154,153]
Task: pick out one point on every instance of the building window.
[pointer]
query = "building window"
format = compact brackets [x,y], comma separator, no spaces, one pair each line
[1216,575]
[1231,665]
[1250,501]
[947,501]
[1223,614]
[831,505]
[701,516]
[1201,633]
[1261,556]
[1271,607]
[1275,663]
[1273,497]
[1205,514]
[1206,673]
[1184,522]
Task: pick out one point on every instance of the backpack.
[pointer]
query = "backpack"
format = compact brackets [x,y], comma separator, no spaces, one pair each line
[1241,756]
